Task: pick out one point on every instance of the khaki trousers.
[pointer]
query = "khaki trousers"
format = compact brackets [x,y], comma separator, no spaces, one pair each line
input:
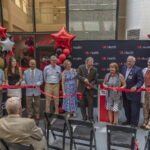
[146,106]
[54,90]
[29,100]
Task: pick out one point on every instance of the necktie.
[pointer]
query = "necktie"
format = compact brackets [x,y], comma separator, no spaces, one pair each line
[87,72]
[32,74]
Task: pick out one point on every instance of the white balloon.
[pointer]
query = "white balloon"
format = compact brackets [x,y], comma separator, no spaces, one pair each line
[7,45]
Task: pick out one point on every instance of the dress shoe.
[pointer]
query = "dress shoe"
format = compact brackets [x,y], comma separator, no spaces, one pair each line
[84,118]
[37,117]
[126,123]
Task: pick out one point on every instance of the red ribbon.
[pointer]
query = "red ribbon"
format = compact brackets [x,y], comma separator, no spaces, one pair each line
[125,90]
[30,86]
[58,96]
[16,86]
[137,144]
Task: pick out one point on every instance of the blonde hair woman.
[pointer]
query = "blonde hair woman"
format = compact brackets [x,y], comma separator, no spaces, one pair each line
[114,98]
[69,86]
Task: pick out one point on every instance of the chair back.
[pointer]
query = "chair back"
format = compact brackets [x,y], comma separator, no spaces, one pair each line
[147,144]
[80,122]
[55,123]
[81,131]
[121,137]
[16,146]
[50,116]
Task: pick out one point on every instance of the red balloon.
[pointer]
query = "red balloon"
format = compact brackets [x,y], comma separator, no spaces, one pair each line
[31,50]
[3,32]
[148,36]
[62,57]
[66,51]
[63,39]
[59,62]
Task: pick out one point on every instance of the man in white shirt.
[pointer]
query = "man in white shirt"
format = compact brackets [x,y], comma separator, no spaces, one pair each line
[52,76]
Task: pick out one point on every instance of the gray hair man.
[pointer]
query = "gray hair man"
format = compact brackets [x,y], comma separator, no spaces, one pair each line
[87,75]
[131,100]
[15,129]
[52,76]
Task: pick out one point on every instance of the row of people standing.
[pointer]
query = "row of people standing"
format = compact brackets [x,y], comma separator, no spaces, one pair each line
[72,81]
[132,77]
[52,74]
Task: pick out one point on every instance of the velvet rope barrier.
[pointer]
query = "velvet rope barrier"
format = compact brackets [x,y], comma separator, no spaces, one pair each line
[30,86]
[125,90]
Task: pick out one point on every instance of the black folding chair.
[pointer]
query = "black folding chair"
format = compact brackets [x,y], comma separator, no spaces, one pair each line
[16,146]
[83,131]
[147,144]
[120,136]
[55,123]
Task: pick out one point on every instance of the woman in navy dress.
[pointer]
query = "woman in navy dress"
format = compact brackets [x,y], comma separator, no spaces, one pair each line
[69,86]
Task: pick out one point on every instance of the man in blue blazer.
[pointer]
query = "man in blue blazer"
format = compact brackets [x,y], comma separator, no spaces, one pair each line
[33,76]
[131,101]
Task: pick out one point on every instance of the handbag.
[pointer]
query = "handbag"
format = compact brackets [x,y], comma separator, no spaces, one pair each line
[14,93]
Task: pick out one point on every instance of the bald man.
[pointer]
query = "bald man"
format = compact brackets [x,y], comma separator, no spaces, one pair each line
[15,129]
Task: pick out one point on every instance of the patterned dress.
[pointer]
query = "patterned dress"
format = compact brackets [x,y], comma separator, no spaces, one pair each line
[70,104]
[113,98]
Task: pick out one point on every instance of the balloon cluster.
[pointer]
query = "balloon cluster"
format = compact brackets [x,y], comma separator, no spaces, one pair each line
[63,47]
[62,54]
[30,43]
[6,43]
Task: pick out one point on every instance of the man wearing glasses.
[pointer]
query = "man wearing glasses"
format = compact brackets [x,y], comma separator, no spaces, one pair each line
[52,76]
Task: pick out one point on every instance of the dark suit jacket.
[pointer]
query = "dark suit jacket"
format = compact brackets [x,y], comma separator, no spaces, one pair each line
[82,74]
[135,78]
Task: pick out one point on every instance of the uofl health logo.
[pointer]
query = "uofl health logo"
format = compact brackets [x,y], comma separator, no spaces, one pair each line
[91,52]
[126,52]
[143,46]
[87,53]
[139,46]
[103,58]
[141,58]
[109,46]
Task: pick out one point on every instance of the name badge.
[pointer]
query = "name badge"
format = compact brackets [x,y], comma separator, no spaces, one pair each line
[130,77]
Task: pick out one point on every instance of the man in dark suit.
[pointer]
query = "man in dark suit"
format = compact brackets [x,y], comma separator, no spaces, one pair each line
[87,75]
[131,101]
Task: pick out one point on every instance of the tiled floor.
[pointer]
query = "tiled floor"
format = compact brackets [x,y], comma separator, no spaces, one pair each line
[101,133]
